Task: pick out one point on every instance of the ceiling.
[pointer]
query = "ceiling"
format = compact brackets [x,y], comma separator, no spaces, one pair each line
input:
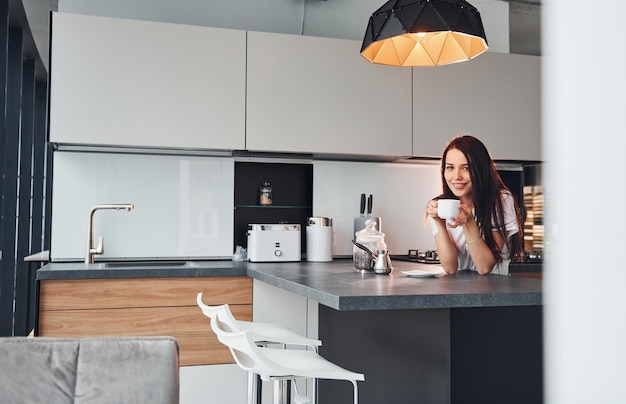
[524,25]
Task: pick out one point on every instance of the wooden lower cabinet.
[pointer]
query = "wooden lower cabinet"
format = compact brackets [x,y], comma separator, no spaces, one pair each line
[144,307]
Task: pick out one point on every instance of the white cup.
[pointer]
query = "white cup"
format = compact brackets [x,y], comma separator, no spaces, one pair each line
[448,208]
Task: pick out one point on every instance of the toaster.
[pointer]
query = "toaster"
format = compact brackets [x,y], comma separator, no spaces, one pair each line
[274,242]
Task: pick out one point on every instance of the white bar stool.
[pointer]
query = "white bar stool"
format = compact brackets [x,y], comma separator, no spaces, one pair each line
[263,334]
[278,364]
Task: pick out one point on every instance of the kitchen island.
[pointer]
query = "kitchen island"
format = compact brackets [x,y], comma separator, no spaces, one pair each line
[459,338]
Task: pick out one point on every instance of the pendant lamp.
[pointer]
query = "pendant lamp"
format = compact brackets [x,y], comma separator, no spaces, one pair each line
[424,33]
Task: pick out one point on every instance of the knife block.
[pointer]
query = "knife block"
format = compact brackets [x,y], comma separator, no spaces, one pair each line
[359,224]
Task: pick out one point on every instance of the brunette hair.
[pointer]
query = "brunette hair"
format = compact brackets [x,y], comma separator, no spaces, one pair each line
[487,190]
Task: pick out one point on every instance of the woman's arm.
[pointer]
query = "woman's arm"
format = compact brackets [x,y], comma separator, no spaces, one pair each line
[478,249]
[446,250]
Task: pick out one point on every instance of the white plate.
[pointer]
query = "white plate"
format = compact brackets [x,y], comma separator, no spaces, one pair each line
[424,273]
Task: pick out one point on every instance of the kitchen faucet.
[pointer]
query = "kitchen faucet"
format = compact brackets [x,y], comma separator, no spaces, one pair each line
[100,248]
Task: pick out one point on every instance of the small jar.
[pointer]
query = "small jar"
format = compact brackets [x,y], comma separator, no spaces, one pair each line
[265,193]
[373,240]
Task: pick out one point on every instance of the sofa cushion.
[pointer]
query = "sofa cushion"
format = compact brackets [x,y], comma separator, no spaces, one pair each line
[35,372]
[133,371]
[129,370]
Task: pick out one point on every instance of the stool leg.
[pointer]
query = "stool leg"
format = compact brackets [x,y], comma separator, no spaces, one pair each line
[251,388]
[259,389]
[255,386]
[356,392]
[282,391]
[278,392]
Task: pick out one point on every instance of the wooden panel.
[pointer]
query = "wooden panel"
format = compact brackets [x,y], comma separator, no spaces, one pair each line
[142,292]
[198,344]
[145,307]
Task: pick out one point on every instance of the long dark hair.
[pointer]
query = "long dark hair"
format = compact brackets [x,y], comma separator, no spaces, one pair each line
[487,189]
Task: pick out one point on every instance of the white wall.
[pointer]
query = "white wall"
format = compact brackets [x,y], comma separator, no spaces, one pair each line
[584,144]
[400,193]
[183,205]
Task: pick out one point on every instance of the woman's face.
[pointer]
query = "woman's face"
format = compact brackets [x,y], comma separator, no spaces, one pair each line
[457,175]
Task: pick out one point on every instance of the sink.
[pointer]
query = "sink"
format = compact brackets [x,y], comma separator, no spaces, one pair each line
[149,264]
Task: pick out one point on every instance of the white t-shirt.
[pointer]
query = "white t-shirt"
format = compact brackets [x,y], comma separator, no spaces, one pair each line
[464,258]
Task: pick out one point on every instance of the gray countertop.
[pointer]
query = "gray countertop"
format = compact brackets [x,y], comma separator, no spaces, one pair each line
[153,269]
[334,284]
[340,287]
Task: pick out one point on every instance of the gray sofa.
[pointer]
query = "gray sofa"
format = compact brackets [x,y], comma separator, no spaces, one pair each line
[129,370]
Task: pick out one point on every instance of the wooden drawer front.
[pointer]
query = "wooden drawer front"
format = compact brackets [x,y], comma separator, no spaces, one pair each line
[198,343]
[145,292]
[144,307]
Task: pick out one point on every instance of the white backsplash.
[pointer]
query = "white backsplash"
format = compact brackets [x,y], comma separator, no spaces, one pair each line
[183,205]
[400,193]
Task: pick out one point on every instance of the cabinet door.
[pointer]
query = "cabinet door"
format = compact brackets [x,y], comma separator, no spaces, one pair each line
[318,95]
[137,83]
[495,97]
[142,307]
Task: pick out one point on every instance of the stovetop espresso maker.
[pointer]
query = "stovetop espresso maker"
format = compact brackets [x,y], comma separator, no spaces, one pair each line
[370,251]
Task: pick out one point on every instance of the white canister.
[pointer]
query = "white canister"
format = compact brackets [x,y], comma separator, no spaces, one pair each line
[319,239]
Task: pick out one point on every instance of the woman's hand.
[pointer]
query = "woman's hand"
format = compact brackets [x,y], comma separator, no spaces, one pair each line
[465,216]
[446,249]
[432,209]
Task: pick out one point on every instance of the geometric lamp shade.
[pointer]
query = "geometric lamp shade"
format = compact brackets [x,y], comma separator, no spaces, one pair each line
[424,33]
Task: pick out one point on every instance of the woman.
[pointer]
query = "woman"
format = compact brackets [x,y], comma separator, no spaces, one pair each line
[487,233]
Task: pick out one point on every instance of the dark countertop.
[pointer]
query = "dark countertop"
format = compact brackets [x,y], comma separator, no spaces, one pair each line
[525,267]
[340,287]
[154,269]
[336,284]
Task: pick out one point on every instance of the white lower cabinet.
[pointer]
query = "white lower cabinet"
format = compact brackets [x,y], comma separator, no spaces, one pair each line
[275,305]
[495,97]
[223,384]
[319,95]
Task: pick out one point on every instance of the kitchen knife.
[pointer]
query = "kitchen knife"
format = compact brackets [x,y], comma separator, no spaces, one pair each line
[362,211]
[359,222]
[370,206]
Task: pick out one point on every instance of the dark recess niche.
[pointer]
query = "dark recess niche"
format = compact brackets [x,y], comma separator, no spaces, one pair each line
[292,189]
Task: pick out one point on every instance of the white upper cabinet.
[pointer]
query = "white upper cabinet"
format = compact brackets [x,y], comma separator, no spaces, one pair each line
[319,95]
[137,83]
[495,97]
[131,83]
